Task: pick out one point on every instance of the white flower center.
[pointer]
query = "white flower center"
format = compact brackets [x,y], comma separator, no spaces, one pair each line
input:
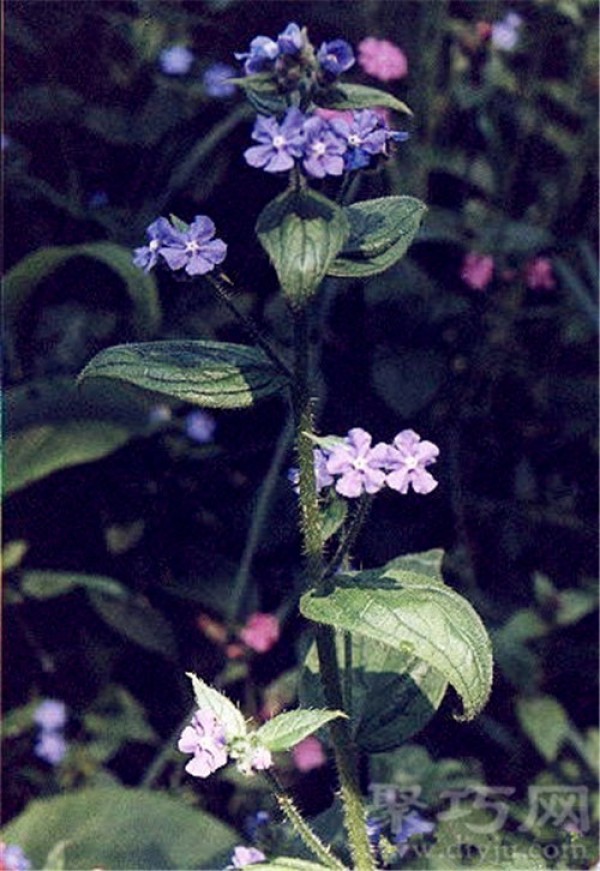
[319,148]
[154,244]
[279,141]
[360,464]
[354,140]
[411,463]
[192,246]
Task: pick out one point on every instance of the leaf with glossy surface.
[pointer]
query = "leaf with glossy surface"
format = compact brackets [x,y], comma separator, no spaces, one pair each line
[416,615]
[228,714]
[116,827]
[206,373]
[360,97]
[381,231]
[302,232]
[286,730]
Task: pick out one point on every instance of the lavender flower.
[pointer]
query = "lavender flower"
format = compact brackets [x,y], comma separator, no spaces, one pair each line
[215,80]
[360,467]
[160,233]
[12,858]
[176,60]
[374,828]
[506,33]
[243,856]
[290,41]
[407,459]
[279,143]
[323,149]
[200,426]
[50,746]
[194,249]
[365,136]
[205,739]
[323,477]
[263,51]
[412,824]
[51,714]
[335,57]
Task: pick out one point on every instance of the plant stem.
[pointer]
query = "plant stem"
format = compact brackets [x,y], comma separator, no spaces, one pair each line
[352,533]
[329,670]
[310,838]
[165,753]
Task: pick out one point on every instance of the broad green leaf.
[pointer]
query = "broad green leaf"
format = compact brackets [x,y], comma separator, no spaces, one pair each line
[116,827]
[224,710]
[206,373]
[417,615]
[136,620]
[288,729]
[545,723]
[381,232]
[48,584]
[360,97]
[302,232]
[394,694]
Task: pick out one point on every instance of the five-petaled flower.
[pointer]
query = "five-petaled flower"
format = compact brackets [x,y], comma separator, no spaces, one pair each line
[279,144]
[205,739]
[323,148]
[194,249]
[407,459]
[366,135]
[359,466]
[160,232]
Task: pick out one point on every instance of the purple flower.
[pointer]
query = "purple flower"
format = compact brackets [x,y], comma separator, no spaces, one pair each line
[176,60]
[374,828]
[290,41]
[335,57]
[205,739]
[243,856]
[506,33]
[365,136]
[323,477]
[323,148]
[194,249]
[412,824]
[50,746]
[279,143]
[12,858]
[360,467]
[255,822]
[215,80]
[159,232]
[263,51]
[50,714]
[200,426]
[407,460]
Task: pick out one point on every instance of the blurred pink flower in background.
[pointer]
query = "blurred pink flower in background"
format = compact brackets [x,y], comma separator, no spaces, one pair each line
[382,59]
[477,270]
[539,274]
[309,754]
[338,114]
[261,632]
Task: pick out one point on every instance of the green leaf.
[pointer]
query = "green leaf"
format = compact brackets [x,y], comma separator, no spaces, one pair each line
[136,620]
[418,615]
[13,553]
[290,863]
[333,515]
[48,584]
[286,730]
[262,93]
[302,232]
[381,232]
[545,723]
[116,827]
[56,858]
[394,694]
[407,379]
[224,710]
[206,373]
[360,97]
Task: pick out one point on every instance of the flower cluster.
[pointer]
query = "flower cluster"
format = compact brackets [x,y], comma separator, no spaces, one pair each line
[50,717]
[12,858]
[477,271]
[192,247]
[206,739]
[355,466]
[323,146]
[292,48]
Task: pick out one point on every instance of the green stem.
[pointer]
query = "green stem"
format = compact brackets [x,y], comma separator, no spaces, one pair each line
[349,539]
[165,754]
[310,838]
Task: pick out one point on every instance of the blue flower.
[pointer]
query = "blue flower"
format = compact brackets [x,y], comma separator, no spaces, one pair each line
[215,80]
[263,51]
[50,746]
[200,426]
[506,33]
[160,233]
[12,858]
[50,714]
[255,822]
[335,57]
[374,828]
[413,824]
[193,249]
[176,60]
[279,143]
[323,149]
[366,136]
[290,41]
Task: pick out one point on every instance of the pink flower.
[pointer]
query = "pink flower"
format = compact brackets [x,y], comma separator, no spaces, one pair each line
[477,270]
[539,275]
[382,59]
[308,754]
[261,632]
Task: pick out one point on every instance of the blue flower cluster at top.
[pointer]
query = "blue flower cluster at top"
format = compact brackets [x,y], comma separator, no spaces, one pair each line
[192,249]
[333,57]
[323,146]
